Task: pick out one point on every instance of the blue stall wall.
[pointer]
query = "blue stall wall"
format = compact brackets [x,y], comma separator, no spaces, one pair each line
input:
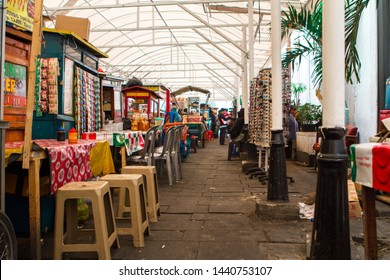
[46,127]
[387,101]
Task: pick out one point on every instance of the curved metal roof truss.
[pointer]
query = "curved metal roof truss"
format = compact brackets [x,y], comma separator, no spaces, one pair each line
[176,43]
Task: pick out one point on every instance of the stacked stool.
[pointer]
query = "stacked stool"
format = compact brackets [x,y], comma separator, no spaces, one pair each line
[103,216]
[132,185]
[150,175]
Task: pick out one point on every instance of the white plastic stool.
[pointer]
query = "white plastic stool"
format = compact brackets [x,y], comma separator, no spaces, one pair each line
[133,185]
[150,175]
[103,216]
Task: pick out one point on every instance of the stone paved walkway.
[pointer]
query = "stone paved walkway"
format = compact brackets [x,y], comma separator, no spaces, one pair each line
[210,214]
[213,214]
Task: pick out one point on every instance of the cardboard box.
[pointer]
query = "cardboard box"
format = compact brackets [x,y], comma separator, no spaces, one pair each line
[79,26]
[355,210]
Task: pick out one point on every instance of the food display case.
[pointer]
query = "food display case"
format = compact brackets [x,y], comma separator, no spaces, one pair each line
[112,99]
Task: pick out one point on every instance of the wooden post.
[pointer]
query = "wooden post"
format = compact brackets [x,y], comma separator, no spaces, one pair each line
[34,209]
[369,223]
[35,51]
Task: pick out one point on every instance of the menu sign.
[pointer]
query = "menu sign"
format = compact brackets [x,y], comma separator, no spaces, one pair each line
[20,13]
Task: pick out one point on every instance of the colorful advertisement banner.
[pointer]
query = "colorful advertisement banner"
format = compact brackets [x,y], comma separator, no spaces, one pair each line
[20,13]
[15,85]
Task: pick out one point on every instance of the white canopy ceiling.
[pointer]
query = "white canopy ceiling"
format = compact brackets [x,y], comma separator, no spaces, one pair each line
[175,43]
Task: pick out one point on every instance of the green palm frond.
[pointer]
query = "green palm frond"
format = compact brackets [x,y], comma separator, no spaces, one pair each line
[293,55]
[309,23]
[353,12]
[309,40]
[317,72]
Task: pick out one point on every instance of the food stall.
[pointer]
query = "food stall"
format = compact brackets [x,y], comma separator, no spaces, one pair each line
[191,108]
[164,93]
[142,106]
[65,92]
[68,91]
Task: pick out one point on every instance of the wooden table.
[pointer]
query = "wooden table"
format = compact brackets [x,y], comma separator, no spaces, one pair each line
[99,166]
[371,169]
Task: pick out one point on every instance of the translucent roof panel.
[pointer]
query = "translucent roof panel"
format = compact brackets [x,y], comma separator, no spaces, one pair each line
[175,43]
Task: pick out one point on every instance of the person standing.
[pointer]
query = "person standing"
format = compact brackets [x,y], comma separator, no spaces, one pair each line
[213,123]
[223,120]
[292,135]
[238,125]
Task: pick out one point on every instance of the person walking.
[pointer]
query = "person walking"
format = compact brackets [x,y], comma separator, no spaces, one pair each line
[223,120]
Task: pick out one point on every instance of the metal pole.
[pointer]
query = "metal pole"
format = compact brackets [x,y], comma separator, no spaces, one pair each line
[244,78]
[250,40]
[277,178]
[238,95]
[331,237]
[3,125]
[3,7]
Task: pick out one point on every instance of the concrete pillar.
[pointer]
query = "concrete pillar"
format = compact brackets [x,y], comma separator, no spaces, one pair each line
[251,43]
[277,179]
[277,108]
[333,87]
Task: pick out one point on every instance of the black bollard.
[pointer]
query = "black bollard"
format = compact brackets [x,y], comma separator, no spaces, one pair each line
[330,236]
[277,178]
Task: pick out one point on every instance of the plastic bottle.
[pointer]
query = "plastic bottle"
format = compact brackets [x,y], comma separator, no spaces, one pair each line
[134,122]
[72,138]
[61,133]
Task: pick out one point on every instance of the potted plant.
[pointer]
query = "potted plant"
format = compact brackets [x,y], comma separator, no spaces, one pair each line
[309,117]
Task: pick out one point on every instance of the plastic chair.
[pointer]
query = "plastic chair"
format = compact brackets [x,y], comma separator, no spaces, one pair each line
[175,153]
[147,152]
[164,153]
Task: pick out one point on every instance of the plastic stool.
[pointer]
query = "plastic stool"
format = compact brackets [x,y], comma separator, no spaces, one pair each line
[150,178]
[103,216]
[132,185]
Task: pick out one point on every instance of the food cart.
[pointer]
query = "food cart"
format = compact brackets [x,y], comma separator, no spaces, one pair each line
[141,103]
[191,111]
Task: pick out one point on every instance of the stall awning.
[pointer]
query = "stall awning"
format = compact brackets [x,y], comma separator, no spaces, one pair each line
[189,88]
